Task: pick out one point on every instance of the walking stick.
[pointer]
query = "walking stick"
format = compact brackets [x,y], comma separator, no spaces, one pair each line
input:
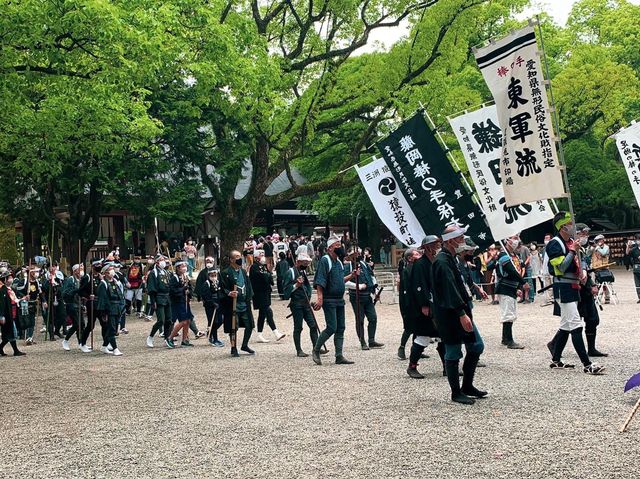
[234,319]
[306,296]
[630,416]
[92,311]
[359,323]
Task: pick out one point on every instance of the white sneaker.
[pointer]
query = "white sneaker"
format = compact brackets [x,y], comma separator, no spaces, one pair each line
[44,329]
[65,345]
[85,349]
[149,342]
[278,335]
[105,350]
[110,348]
[117,352]
[262,339]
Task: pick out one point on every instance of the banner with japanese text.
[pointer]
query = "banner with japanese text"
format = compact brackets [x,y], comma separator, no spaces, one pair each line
[529,160]
[628,141]
[480,139]
[428,181]
[390,204]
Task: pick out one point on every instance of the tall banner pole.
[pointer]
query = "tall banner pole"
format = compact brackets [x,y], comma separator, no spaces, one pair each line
[555,119]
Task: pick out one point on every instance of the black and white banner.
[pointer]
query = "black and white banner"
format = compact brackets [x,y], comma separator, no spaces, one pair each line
[392,207]
[480,139]
[529,162]
[628,141]
[432,188]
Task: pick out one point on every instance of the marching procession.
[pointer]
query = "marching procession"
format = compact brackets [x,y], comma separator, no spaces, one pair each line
[436,296]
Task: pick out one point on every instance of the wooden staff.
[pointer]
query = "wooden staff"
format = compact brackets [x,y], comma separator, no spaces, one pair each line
[234,319]
[306,296]
[630,417]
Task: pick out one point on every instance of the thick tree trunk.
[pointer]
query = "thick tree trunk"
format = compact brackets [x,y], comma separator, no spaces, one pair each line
[234,230]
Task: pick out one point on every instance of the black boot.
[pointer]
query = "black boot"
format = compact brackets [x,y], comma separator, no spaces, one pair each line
[504,334]
[469,370]
[315,355]
[342,360]
[454,382]
[401,353]
[245,341]
[507,329]
[16,352]
[413,373]
[591,347]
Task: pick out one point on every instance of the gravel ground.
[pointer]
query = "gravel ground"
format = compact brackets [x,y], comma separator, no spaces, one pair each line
[200,413]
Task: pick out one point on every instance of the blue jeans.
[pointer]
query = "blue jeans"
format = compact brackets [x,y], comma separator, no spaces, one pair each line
[453,352]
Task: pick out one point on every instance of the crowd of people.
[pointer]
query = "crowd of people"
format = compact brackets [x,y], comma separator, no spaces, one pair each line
[437,286]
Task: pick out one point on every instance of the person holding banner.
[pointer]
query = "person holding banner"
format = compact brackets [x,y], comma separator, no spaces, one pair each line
[633,252]
[567,274]
[509,282]
[452,312]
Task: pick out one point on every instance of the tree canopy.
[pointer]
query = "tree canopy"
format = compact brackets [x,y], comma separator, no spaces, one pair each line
[155,106]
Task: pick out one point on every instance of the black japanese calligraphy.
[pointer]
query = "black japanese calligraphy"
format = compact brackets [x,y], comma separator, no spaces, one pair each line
[527,162]
[488,137]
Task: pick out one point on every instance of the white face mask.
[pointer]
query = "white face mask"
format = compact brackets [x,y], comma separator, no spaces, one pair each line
[583,241]
[209,265]
[149,262]
[162,264]
[263,260]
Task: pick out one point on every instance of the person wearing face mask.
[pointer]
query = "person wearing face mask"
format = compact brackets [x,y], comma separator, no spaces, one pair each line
[110,300]
[190,251]
[361,285]
[8,314]
[235,283]
[262,285]
[149,309]
[203,275]
[134,285]
[55,315]
[588,291]
[120,280]
[510,280]
[453,317]
[89,284]
[567,272]
[545,276]
[599,261]
[536,269]
[329,282]
[180,293]
[158,290]
[28,289]
[410,256]
[210,293]
[70,290]
[420,311]
[298,289]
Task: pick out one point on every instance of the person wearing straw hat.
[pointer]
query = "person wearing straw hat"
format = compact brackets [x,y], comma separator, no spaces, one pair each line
[329,282]
[70,289]
[298,290]
[110,299]
[452,312]
[567,274]
[8,314]
[158,291]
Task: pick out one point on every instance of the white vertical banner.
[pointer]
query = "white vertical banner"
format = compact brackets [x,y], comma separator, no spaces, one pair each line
[389,202]
[529,163]
[628,141]
[480,139]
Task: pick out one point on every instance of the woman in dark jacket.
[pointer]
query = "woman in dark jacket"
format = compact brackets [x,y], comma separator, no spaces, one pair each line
[262,285]
[8,314]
